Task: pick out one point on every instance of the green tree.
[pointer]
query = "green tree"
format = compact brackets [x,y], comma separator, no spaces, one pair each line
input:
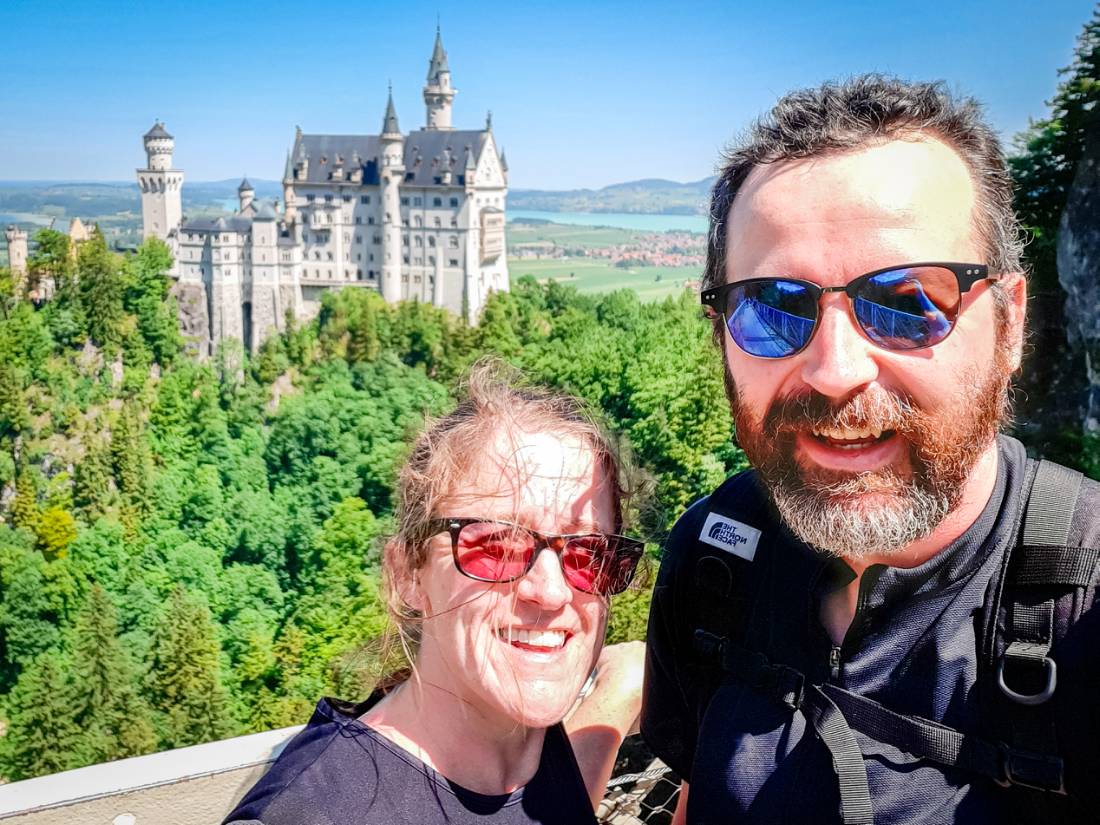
[131,459]
[51,260]
[93,479]
[43,733]
[115,717]
[148,298]
[185,683]
[101,282]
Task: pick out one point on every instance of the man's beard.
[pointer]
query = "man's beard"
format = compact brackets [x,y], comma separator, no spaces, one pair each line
[881,512]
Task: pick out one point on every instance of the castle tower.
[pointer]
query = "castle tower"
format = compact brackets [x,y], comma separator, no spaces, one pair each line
[438,93]
[161,207]
[245,193]
[392,174]
[17,249]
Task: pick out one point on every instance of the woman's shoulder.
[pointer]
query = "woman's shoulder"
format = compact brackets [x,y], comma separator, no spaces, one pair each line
[322,774]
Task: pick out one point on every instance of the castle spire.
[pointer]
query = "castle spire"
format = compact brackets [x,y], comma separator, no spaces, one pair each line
[389,123]
[438,92]
[438,62]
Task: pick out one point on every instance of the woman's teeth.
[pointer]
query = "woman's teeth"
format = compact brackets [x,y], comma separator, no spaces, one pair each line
[533,638]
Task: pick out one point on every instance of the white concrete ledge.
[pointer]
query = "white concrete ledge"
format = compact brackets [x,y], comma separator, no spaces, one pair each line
[206,780]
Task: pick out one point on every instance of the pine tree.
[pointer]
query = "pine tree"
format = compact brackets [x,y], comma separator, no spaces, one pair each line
[24,509]
[43,734]
[130,455]
[185,683]
[111,710]
[92,480]
[101,286]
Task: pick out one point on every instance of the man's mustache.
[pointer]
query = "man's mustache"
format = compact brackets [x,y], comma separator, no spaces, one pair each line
[874,408]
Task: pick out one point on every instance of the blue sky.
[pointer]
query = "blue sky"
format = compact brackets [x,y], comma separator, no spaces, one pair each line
[582,93]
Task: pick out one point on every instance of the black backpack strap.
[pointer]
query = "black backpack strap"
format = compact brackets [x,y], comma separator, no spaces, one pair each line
[1041,568]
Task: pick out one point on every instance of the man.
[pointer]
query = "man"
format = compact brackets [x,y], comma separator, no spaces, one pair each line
[828,630]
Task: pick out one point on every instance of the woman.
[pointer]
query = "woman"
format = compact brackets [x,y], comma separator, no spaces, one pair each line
[507,551]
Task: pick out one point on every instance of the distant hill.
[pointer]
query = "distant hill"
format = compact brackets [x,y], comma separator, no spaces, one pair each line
[650,196]
[38,201]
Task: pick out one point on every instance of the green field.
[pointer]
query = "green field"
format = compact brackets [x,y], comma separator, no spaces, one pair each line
[590,276]
[567,235]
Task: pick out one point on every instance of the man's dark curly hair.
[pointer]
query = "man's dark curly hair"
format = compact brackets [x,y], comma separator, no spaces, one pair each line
[862,111]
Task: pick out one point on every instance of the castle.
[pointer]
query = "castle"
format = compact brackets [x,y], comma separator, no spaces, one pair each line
[417,216]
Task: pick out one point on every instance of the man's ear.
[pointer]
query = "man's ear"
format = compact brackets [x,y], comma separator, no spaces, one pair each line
[405,582]
[1014,286]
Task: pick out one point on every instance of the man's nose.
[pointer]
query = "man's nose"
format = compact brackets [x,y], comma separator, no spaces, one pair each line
[839,359]
[545,584]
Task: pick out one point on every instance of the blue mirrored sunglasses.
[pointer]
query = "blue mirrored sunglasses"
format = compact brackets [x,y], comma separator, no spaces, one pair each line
[905,307]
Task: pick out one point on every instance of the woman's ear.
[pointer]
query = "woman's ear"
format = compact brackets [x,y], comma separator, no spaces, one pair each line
[405,582]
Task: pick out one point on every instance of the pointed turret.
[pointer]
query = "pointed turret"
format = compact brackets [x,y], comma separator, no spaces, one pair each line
[503,161]
[245,193]
[389,122]
[489,121]
[438,93]
[288,170]
[438,62]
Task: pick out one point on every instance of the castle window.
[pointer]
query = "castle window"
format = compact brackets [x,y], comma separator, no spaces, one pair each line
[431,260]
[358,238]
[418,221]
[347,198]
[328,198]
[454,223]
[330,255]
[404,279]
[453,262]
[370,220]
[406,259]
[316,254]
[419,241]
[404,201]
[309,198]
[437,201]
[437,223]
[405,240]
[416,201]
[377,239]
[431,241]
[454,201]
[371,257]
[452,241]
[317,273]
[364,199]
[358,219]
[359,274]
[370,274]
[358,256]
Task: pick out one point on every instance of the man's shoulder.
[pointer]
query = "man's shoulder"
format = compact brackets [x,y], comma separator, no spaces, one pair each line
[729,518]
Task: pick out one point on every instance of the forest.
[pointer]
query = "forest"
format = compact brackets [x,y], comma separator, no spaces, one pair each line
[189,550]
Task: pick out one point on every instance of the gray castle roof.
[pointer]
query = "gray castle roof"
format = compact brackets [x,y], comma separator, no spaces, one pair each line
[439,59]
[266,212]
[239,224]
[427,153]
[158,131]
[245,186]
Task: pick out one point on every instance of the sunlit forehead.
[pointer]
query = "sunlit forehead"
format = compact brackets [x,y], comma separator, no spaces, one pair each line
[544,481]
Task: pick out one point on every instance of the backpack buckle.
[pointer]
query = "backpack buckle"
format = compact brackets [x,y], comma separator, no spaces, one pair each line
[1037,771]
[1050,670]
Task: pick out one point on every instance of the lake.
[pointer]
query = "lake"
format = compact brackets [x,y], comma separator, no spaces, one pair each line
[619,220]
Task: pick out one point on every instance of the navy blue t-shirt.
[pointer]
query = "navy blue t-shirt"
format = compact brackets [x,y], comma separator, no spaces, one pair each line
[338,771]
[912,647]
